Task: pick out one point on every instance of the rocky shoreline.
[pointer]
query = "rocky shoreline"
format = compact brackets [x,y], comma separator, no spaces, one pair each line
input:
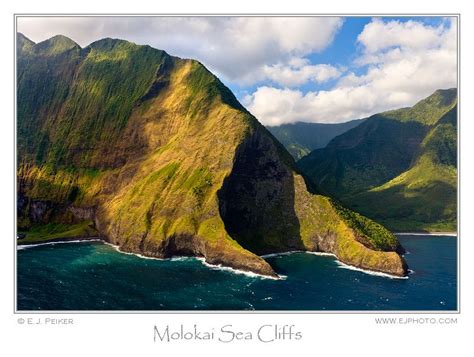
[255,264]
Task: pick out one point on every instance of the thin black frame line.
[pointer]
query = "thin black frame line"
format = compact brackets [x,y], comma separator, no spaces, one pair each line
[203,312]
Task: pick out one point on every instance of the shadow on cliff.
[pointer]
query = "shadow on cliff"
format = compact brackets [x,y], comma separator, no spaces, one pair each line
[257,200]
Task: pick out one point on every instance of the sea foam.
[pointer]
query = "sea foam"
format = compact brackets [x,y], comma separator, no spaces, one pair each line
[322,254]
[273,255]
[117,248]
[238,271]
[369,272]
[27,246]
[340,264]
[203,261]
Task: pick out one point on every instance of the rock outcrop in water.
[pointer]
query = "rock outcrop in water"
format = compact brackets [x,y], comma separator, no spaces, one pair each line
[164,160]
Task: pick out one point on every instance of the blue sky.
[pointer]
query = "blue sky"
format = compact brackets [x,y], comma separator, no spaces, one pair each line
[342,52]
[313,69]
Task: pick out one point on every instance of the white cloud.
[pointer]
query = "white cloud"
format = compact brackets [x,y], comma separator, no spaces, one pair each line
[299,71]
[275,106]
[236,48]
[379,35]
[405,63]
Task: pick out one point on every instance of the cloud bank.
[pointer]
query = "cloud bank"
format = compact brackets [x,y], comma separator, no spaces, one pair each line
[243,50]
[402,62]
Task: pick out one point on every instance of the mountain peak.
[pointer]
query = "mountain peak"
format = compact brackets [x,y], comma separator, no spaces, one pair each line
[55,45]
[23,43]
[430,109]
[21,37]
[117,49]
[427,111]
[108,44]
[445,97]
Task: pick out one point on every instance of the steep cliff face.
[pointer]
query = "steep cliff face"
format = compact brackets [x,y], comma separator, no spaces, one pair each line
[168,162]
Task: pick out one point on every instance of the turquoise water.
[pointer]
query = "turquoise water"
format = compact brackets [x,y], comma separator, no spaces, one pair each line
[94,276]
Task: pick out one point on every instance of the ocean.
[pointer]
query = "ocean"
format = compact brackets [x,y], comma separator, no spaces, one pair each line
[91,276]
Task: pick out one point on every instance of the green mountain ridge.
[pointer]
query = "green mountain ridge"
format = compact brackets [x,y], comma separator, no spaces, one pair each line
[398,167]
[154,154]
[301,138]
[23,43]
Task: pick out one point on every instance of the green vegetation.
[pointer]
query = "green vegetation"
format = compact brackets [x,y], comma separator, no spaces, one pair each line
[54,46]
[74,102]
[60,185]
[425,196]
[377,236]
[398,167]
[428,110]
[206,87]
[364,157]
[56,231]
[145,143]
[23,44]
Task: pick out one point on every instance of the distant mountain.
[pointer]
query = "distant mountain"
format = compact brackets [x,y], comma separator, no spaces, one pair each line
[302,138]
[398,167]
[154,154]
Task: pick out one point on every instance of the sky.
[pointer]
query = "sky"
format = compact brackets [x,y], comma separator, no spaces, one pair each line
[290,69]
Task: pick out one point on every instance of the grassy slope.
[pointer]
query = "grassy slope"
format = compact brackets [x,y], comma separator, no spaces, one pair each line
[364,157]
[427,111]
[51,232]
[96,105]
[86,99]
[398,168]
[148,140]
[184,174]
[423,197]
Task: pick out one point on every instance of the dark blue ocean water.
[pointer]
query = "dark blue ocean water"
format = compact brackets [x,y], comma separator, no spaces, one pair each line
[94,276]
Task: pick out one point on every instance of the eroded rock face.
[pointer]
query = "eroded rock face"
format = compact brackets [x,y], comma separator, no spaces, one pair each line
[190,171]
[325,243]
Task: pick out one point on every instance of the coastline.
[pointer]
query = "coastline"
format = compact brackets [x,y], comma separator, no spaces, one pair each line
[300,269]
[202,260]
[340,264]
[22,246]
